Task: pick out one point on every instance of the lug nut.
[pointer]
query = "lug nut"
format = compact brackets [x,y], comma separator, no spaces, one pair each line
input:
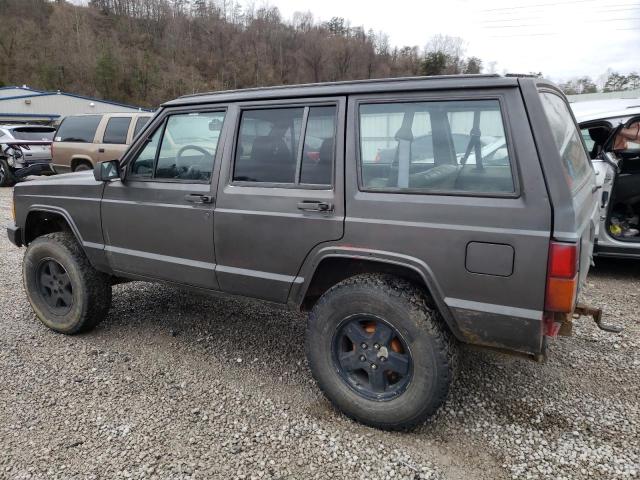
[362,358]
[383,359]
[373,366]
[364,346]
[376,346]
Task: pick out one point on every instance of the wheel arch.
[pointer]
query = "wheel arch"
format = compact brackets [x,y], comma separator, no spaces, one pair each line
[332,267]
[41,220]
[78,159]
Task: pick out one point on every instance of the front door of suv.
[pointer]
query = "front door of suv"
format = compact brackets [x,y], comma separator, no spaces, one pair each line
[158,222]
[281,193]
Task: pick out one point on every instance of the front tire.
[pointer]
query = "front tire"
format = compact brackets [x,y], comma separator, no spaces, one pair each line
[7,179]
[379,352]
[67,294]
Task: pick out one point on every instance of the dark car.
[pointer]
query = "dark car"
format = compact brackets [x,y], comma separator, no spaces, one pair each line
[275,194]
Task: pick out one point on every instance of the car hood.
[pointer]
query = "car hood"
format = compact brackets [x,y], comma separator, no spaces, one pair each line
[79,184]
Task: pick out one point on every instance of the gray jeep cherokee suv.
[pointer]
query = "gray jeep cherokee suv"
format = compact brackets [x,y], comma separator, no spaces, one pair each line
[281,194]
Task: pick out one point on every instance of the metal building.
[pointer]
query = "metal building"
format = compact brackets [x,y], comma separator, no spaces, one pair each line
[26,105]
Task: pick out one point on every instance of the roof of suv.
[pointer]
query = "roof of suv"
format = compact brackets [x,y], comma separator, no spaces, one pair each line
[605,109]
[349,87]
[22,126]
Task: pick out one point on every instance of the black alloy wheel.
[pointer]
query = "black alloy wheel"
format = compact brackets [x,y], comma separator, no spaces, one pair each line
[372,357]
[54,286]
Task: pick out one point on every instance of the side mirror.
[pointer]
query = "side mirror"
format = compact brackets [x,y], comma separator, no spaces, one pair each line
[107,171]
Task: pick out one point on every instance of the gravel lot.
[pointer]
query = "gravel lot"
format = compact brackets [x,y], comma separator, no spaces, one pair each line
[180,386]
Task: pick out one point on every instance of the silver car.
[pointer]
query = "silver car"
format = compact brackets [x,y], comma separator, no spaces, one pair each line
[617,166]
[32,157]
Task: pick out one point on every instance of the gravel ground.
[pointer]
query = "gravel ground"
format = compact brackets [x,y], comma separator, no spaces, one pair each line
[181,386]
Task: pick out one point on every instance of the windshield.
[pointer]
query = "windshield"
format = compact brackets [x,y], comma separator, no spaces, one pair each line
[33,133]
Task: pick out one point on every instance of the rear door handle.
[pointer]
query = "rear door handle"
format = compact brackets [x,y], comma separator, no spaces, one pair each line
[314,206]
[197,198]
[101,150]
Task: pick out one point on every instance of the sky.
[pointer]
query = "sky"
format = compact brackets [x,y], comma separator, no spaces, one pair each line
[562,39]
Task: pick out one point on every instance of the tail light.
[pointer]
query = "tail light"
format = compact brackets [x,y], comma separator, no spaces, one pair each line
[562,278]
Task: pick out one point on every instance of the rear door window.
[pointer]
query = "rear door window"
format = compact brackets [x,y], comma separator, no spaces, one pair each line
[270,150]
[116,130]
[78,129]
[567,138]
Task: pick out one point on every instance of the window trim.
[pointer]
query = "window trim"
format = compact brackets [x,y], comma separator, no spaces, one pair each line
[161,123]
[272,105]
[421,98]
[126,136]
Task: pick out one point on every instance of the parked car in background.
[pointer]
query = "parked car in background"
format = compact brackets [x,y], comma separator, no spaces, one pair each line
[19,157]
[617,166]
[274,194]
[84,140]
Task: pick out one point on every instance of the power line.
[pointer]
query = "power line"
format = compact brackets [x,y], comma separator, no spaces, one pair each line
[554,4]
[541,16]
[549,33]
[602,20]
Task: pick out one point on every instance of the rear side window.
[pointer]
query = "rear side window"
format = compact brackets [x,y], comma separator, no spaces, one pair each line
[443,147]
[140,123]
[270,150]
[116,130]
[78,129]
[567,139]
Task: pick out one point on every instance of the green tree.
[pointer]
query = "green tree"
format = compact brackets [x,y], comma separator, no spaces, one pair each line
[434,63]
[473,65]
[615,82]
[106,73]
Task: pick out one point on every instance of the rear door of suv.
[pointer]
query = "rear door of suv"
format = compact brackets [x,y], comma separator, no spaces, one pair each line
[75,141]
[281,193]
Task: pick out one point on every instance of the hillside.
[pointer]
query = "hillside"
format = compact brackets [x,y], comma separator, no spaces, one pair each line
[147,51]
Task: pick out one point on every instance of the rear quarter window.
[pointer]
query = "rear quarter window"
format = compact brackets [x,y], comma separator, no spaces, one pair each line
[78,129]
[566,136]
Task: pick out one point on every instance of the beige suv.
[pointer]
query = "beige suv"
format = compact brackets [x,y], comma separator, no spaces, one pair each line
[83,140]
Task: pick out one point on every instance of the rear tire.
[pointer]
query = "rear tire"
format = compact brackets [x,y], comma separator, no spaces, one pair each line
[7,179]
[67,294]
[386,309]
[82,167]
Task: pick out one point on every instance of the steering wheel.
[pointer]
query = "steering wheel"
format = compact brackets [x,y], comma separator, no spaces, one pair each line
[184,165]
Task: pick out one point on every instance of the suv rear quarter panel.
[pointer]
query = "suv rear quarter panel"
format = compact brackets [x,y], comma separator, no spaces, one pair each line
[575,214]
[433,232]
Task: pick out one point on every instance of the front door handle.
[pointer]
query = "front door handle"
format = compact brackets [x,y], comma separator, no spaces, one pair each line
[315,206]
[101,150]
[198,198]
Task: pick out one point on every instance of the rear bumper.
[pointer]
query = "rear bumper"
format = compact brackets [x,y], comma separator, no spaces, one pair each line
[41,168]
[15,235]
